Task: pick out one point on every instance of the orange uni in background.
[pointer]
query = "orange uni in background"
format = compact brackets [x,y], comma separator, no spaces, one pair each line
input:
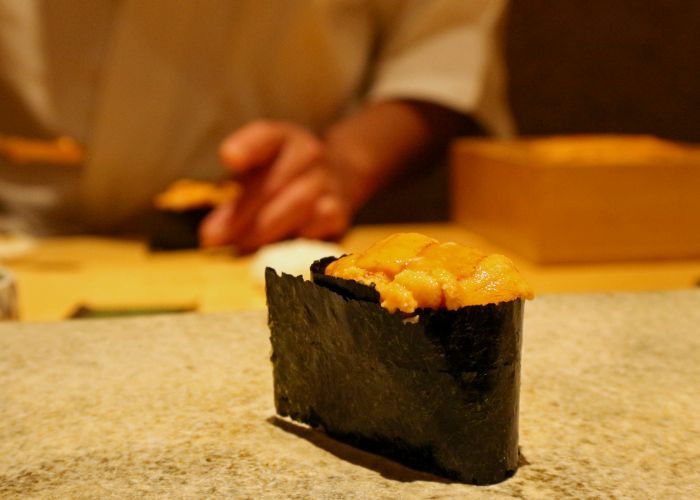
[410,271]
[189,194]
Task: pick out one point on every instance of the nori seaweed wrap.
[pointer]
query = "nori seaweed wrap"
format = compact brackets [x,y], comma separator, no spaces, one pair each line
[436,389]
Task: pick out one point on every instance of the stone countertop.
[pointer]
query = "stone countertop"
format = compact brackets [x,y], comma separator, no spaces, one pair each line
[181,407]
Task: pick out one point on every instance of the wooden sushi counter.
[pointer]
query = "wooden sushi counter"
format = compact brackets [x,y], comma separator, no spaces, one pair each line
[180,406]
[60,275]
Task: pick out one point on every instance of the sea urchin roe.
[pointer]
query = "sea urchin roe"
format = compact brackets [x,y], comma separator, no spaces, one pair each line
[411,271]
[188,194]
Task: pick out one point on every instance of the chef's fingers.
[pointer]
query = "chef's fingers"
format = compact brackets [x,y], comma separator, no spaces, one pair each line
[288,147]
[301,152]
[297,155]
[226,224]
[288,211]
[330,219]
[215,228]
[253,145]
[278,198]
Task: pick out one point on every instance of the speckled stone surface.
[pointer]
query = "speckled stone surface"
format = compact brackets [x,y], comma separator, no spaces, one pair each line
[181,407]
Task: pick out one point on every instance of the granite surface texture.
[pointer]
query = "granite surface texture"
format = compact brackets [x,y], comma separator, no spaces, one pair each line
[181,407]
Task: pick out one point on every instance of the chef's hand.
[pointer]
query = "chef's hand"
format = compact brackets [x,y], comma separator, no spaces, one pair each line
[290,188]
[297,184]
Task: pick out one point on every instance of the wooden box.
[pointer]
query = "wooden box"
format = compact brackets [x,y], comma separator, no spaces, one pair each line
[580,198]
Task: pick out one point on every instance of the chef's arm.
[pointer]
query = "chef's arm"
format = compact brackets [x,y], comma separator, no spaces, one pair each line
[388,137]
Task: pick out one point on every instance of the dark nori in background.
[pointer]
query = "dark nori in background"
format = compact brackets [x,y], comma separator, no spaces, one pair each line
[437,391]
[174,230]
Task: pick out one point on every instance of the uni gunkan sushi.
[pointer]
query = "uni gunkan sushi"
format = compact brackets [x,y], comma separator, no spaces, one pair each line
[410,349]
[177,213]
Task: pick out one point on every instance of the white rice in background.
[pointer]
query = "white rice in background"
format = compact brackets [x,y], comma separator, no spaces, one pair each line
[292,257]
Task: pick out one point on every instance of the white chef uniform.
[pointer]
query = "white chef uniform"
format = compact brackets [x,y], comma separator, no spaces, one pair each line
[152,86]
